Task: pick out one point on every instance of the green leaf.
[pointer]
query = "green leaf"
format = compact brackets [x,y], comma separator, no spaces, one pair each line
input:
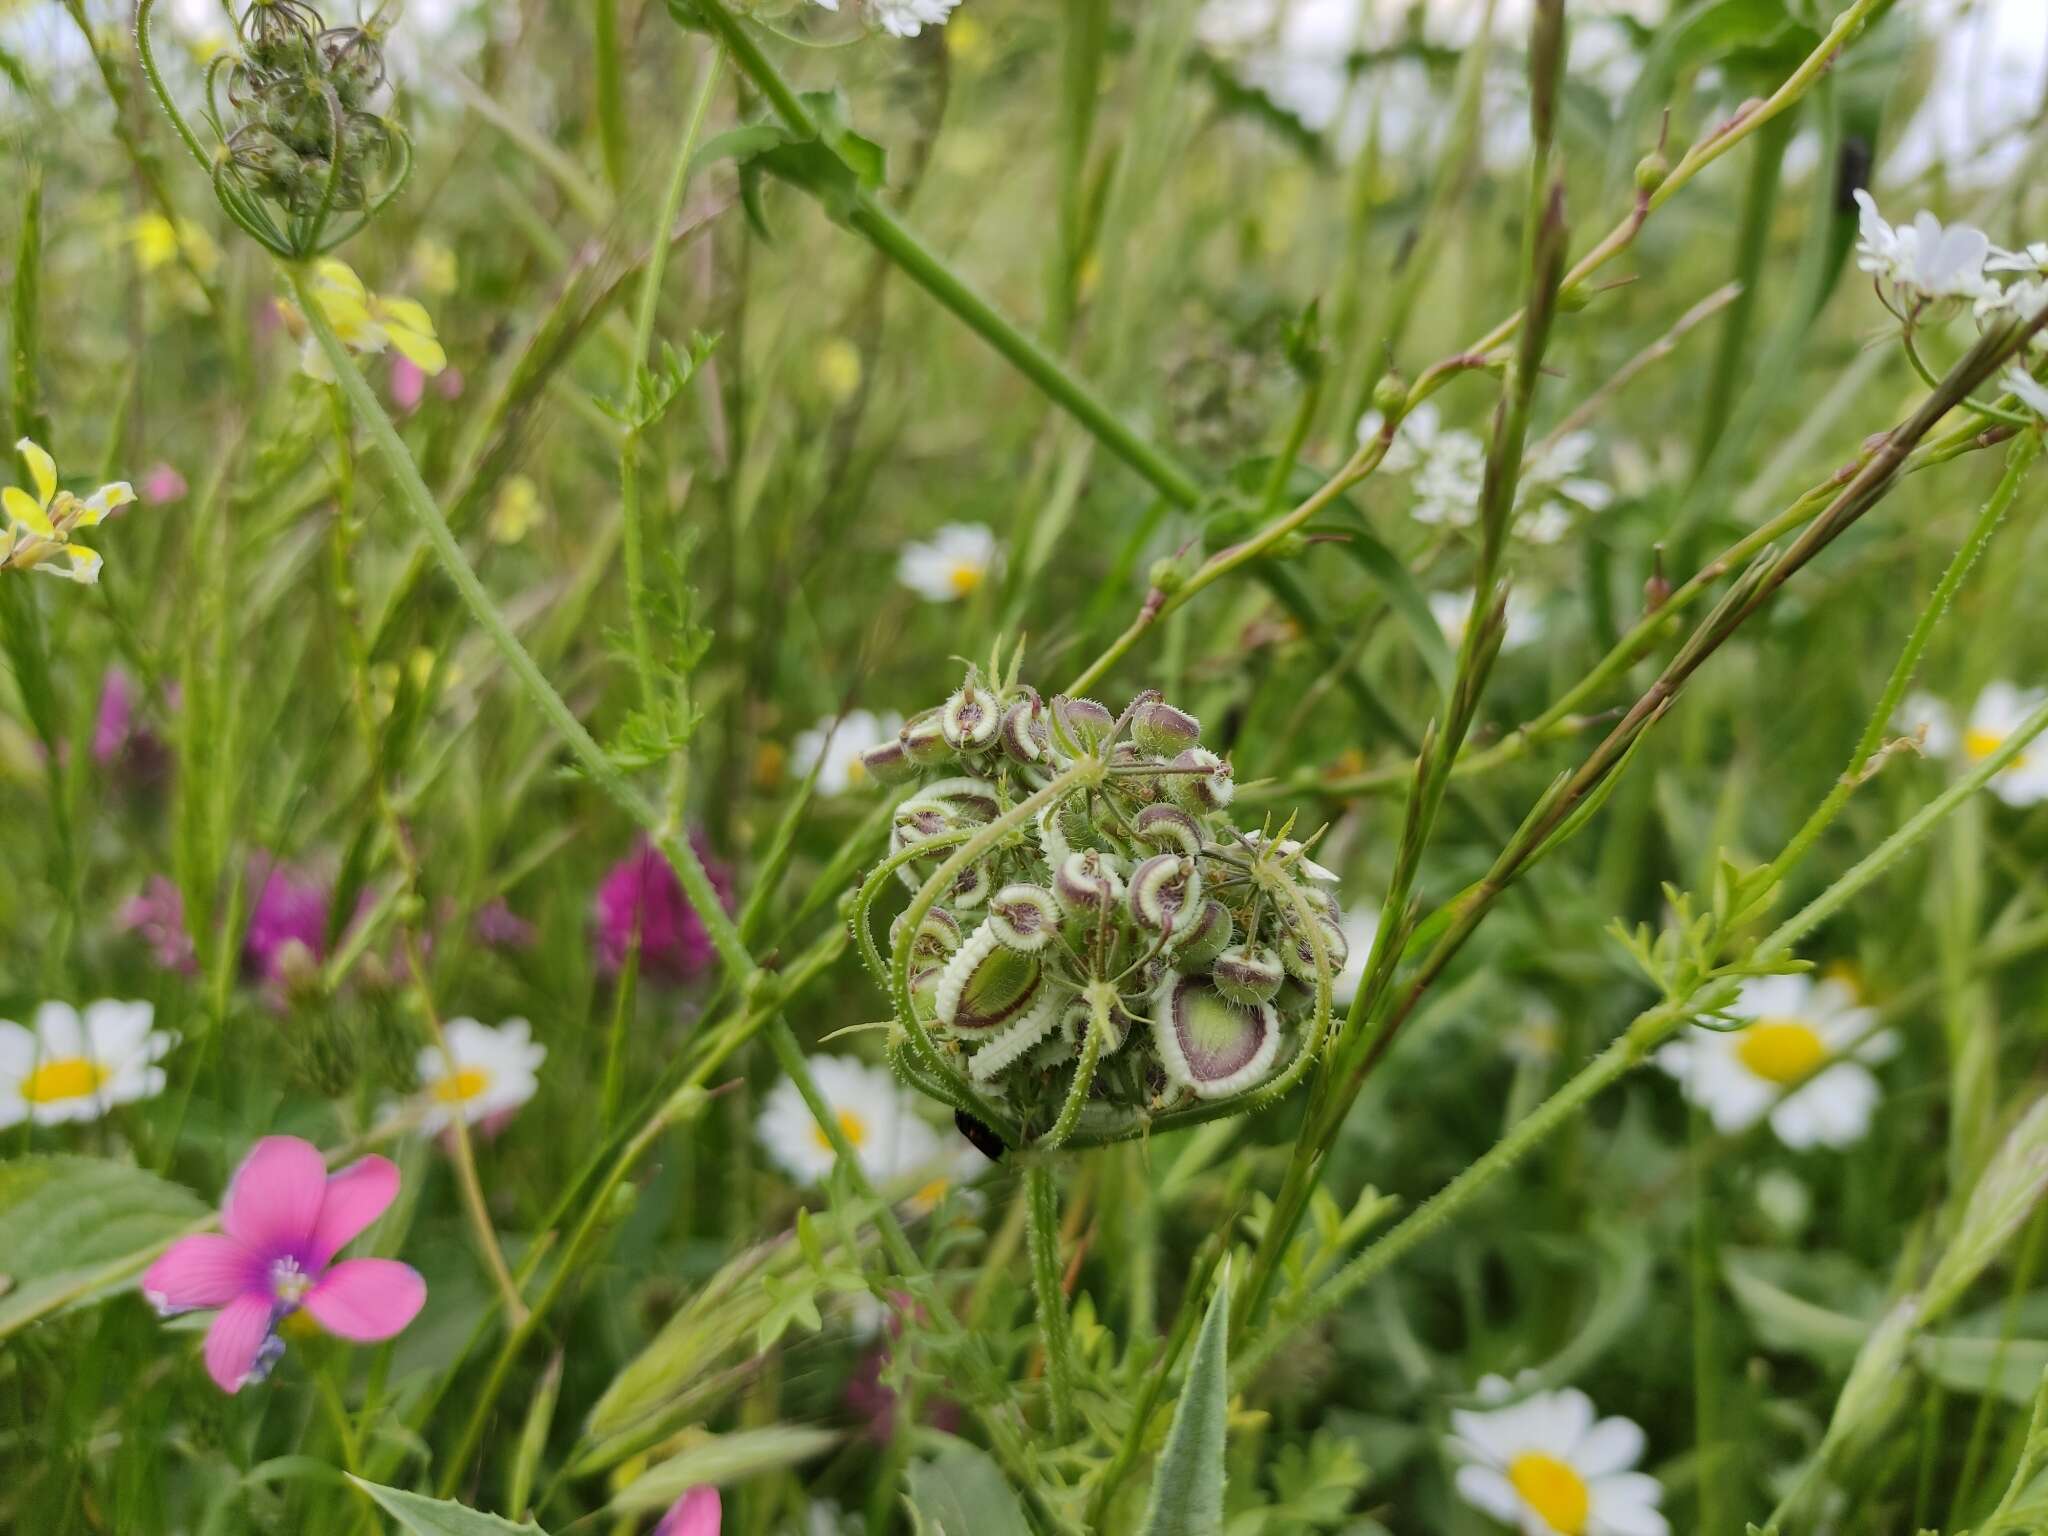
[423,1516]
[724,1459]
[74,1229]
[1187,1485]
[960,1492]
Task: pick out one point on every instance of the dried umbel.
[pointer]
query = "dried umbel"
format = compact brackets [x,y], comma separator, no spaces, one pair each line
[306,154]
[1092,946]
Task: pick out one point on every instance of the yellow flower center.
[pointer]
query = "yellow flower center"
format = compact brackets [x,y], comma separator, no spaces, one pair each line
[461,1087]
[931,1194]
[1979,744]
[964,577]
[856,770]
[68,1077]
[851,1126]
[1553,1489]
[1780,1050]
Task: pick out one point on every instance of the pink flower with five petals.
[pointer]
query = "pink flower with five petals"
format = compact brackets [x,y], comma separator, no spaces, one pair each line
[284,1219]
[696,1513]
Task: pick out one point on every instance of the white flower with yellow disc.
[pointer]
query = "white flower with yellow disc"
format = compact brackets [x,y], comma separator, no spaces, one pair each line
[484,1074]
[365,322]
[877,1115]
[42,527]
[73,1066]
[1549,1467]
[1999,711]
[955,563]
[1804,1035]
[834,748]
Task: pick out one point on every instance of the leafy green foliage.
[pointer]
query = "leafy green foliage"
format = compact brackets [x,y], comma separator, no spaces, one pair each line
[1187,1482]
[72,1229]
[420,1516]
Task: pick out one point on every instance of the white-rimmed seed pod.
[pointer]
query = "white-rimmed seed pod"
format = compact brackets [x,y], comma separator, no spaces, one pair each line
[889,763]
[1081,725]
[924,739]
[1168,829]
[1016,1040]
[1201,939]
[938,934]
[1298,955]
[1208,1044]
[971,798]
[970,887]
[1074,1026]
[1160,728]
[1052,840]
[1166,892]
[1025,735]
[985,985]
[924,980]
[971,719]
[1200,780]
[1025,917]
[1247,974]
[1087,885]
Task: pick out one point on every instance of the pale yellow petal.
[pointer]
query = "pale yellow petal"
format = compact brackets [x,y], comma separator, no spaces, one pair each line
[102,501]
[341,278]
[24,509]
[41,467]
[85,565]
[421,350]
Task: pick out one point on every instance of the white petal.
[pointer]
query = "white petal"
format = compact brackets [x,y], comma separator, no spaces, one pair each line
[1612,1445]
[1486,1490]
[59,1031]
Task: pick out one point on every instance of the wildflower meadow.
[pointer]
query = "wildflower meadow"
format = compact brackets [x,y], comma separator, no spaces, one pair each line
[984,768]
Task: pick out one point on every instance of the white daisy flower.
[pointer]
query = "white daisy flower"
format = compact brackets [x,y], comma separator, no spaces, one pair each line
[839,743]
[1453,611]
[1999,711]
[72,1067]
[1802,1031]
[952,565]
[877,1114]
[1924,259]
[485,1074]
[1546,1466]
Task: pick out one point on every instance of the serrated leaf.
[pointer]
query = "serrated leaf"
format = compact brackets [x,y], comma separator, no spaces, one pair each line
[723,1460]
[422,1516]
[1187,1485]
[76,1228]
[961,1492]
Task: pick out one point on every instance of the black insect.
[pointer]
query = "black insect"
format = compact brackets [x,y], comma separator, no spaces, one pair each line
[986,1141]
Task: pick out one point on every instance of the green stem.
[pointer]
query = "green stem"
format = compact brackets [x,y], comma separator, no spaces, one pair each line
[896,242]
[1042,1192]
[611,94]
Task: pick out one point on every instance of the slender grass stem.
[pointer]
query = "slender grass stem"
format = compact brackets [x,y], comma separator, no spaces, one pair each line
[1042,1193]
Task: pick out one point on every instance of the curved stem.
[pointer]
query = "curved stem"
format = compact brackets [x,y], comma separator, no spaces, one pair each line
[1084,1070]
[146,51]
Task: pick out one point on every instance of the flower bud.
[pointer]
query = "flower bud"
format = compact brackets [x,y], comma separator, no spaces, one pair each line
[1024,917]
[924,739]
[1168,574]
[1166,892]
[1208,1044]
[1247,975]
[1159,727]
[1168,828]
[889,763]
[1201,781]
[986,985]
[1651,171]
[970,720]
[1082,725]
[1086,885]
[1390,395]
[1203,939]
[1025,736]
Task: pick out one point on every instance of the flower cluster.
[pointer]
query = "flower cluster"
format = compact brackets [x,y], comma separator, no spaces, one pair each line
[44,526]
[364,322]
[1923,263]
[1446,467]
[1129,926]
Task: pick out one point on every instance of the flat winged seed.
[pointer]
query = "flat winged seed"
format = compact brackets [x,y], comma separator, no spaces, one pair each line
[1025,917]
[974,799]
[889,763]
[924,739]
[924,988]
[938,935]
[1166,892]
[971,886]
[1084,723]
[1209,1045]
[1086,884]
[1299,956]
[1025,734]
[1160,728]
[1201,780]
[1052,839]
[1017,1039]
[1202,939]
[986,985]
[1247,975]
[971,719]
[1168,828]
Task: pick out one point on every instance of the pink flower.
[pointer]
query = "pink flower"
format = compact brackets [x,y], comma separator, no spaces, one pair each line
[162,484]
[696,1513]
[408,383]
[642,894]
[158,914]
[119,742]
[283,1220]
[287,921]
[448,383]
[497,926]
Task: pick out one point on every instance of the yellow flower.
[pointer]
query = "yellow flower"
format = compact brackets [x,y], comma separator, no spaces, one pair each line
[366,322]
[157,242]
[436,266]
[40,527]
[515,512]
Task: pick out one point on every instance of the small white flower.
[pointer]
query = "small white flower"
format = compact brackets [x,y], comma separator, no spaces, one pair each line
[1924,259]
[835,746]
[486,1073]
[1453,611]
[877,1115]
[2028,261]
[73,1067]
[1554,485]
[1802,1031]
[954,564]
[1999,711]
[2031,392]
[1448,464]
[1361,927]
[906,18]
[1546,1466]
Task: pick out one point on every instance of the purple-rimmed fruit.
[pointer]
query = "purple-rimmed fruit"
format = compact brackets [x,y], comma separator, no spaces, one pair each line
[1208,1044]
[1160,728]
[986,985]
[1025,917]
[1247,973]
[1202,939]
[1166,892]
[970,719]
[1168,829]
[1200,780]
